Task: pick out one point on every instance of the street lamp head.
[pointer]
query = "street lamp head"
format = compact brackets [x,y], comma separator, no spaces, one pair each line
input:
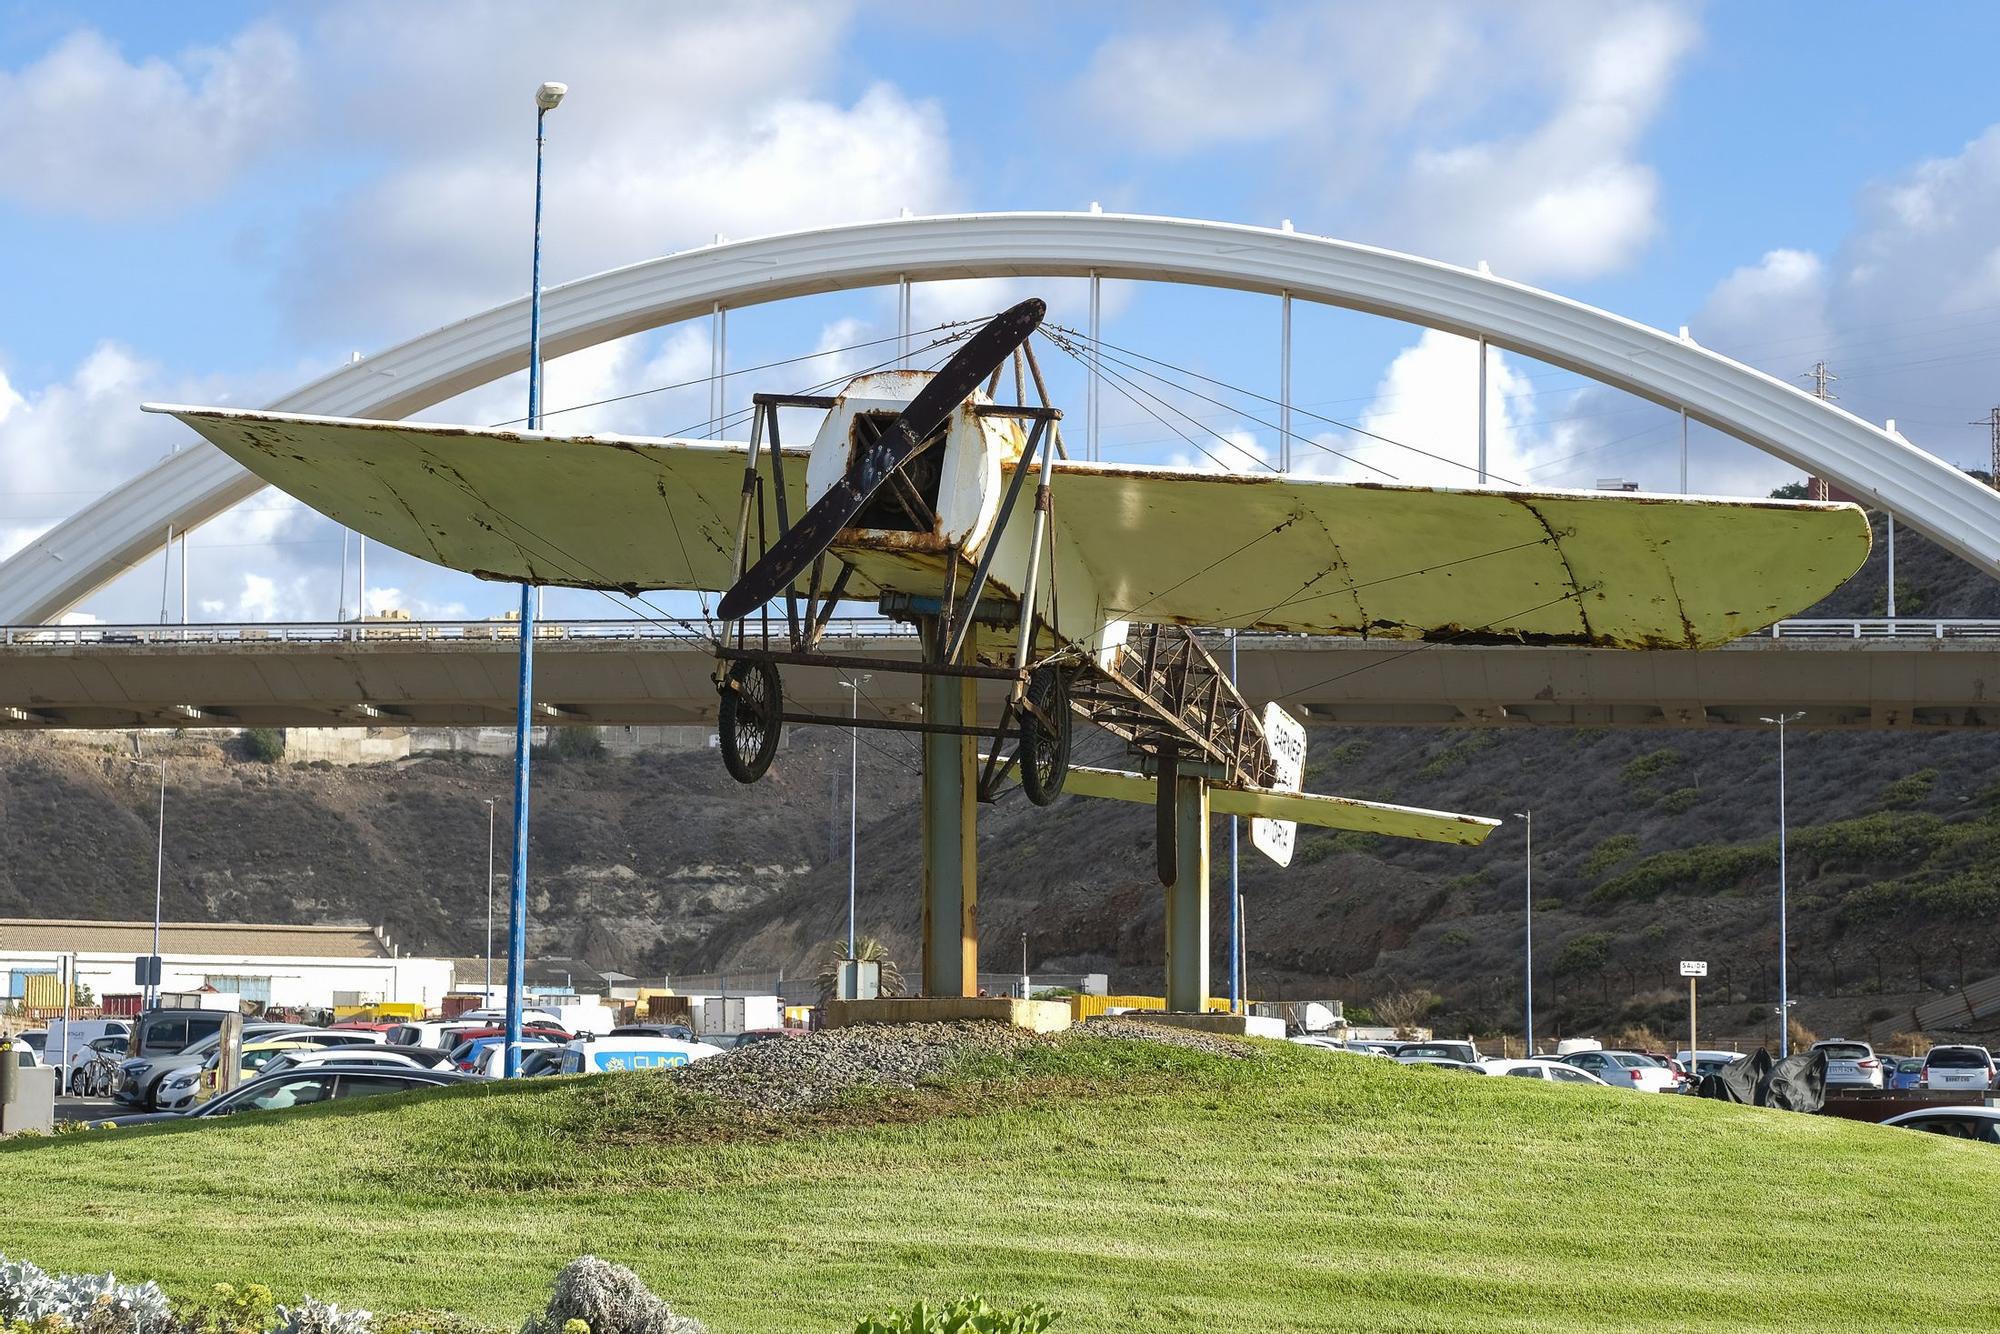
[549,96]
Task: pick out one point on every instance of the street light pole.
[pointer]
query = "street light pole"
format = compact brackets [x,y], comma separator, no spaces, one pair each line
[1784,983]
[152,993]
[488,1000]
[1235,895]
[547,98]
[1528,927]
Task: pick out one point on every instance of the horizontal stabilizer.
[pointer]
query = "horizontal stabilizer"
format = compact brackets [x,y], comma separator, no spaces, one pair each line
[1371,817]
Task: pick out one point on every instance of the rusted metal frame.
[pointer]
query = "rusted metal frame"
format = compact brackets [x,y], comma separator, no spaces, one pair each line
[784,520]
[995,772]
[948,601]
[1024,644]
[825,402]
[887,724]
[1021,412]
[911,499]
[956,638]
[833,597]
[1171,720]
[847,661]
[751,483]
[812,599]
[1035,369]
[763,545]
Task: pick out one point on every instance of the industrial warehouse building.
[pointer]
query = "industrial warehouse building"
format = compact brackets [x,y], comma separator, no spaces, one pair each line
[291,966]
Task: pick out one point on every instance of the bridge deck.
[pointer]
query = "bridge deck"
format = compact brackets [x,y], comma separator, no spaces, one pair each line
[1931,674]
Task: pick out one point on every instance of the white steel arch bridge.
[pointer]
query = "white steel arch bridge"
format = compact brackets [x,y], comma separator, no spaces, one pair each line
[127,525]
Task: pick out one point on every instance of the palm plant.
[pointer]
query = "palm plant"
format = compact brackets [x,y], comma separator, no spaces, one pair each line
[866,950]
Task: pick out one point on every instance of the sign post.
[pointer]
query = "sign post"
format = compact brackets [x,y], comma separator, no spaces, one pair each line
[1692,969]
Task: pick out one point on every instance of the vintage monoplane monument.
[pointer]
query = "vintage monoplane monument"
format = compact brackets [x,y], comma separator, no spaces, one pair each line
[1073,591]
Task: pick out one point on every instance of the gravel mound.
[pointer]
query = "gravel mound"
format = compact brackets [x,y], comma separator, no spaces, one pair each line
[800,1074]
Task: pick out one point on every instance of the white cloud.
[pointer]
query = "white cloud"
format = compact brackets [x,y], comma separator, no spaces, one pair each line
[1901,309]
[92,134]
[680,124]
[1428,399]
[1567,198]
[1371,114]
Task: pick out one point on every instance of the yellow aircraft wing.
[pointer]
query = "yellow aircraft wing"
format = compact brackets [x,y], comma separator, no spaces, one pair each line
[602,511]
[1161,545]
[1403,562]
[1372,817]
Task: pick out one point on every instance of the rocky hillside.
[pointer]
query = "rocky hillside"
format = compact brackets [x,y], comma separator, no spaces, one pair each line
[1649,847]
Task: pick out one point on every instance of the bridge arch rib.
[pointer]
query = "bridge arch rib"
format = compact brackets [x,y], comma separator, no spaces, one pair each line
[127,525]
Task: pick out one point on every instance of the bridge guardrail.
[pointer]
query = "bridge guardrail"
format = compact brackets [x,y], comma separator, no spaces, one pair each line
[840,629]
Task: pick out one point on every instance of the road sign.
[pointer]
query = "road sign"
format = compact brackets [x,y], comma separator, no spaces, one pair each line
[146,970]
[1694,968]
[1287,739]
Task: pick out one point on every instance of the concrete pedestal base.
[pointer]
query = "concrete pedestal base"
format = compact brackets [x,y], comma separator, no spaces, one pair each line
[1229,1025]
[1035,1016]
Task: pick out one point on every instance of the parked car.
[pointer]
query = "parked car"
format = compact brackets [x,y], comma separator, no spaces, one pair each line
[469,1055]
[1624,1069]
[678,1032]
[413,1058]
[1440,1063]
[1974,1123]
[24,1055]
[182,1089]
[1558,1072]
[1449,1051]
[1956,1067]
[35,1040]
[300,1088]
[1903,1072]
[139,1075]
[537,1058]
[1706,1061]
[1850,1064]
[73,1044]
[595,1055]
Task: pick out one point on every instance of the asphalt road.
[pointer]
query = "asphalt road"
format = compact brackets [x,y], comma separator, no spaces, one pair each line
[86,1109]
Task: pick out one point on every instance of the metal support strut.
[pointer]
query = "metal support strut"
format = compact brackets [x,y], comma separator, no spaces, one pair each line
[1187,899]
[950,834]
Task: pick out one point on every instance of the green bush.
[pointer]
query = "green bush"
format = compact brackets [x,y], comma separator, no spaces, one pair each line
[1680,800]
[572,743]
[266,745]
[1909,790]
[1458,753]
[1583,955]
[966,1315]
[1609,853]
[229,1309]
[1645,768]
[1705,868]
[1458,938]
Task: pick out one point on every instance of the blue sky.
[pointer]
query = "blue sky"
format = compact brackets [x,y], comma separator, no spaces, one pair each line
[224,201]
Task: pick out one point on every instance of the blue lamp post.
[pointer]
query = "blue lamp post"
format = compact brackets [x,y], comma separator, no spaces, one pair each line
[547,98]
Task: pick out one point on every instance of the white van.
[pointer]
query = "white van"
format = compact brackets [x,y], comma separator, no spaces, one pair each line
[592,1056]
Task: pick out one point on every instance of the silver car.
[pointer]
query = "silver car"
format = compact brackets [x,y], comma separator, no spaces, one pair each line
[1850,1064]
[1956,1067]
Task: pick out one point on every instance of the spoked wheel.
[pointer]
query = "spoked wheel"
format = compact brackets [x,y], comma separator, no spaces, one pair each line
[753,706]
[1044,750]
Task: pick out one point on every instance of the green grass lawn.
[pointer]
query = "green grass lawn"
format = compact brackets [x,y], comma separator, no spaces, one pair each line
[1134,1186]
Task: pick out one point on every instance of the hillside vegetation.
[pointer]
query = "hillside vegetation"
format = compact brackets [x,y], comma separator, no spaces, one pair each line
[1133,1185]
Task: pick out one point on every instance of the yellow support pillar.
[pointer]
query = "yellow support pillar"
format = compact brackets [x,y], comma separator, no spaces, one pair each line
[950,836]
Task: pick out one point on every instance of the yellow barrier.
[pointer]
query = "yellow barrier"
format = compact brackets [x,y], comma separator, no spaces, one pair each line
[1089,1007]
[378,1014]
